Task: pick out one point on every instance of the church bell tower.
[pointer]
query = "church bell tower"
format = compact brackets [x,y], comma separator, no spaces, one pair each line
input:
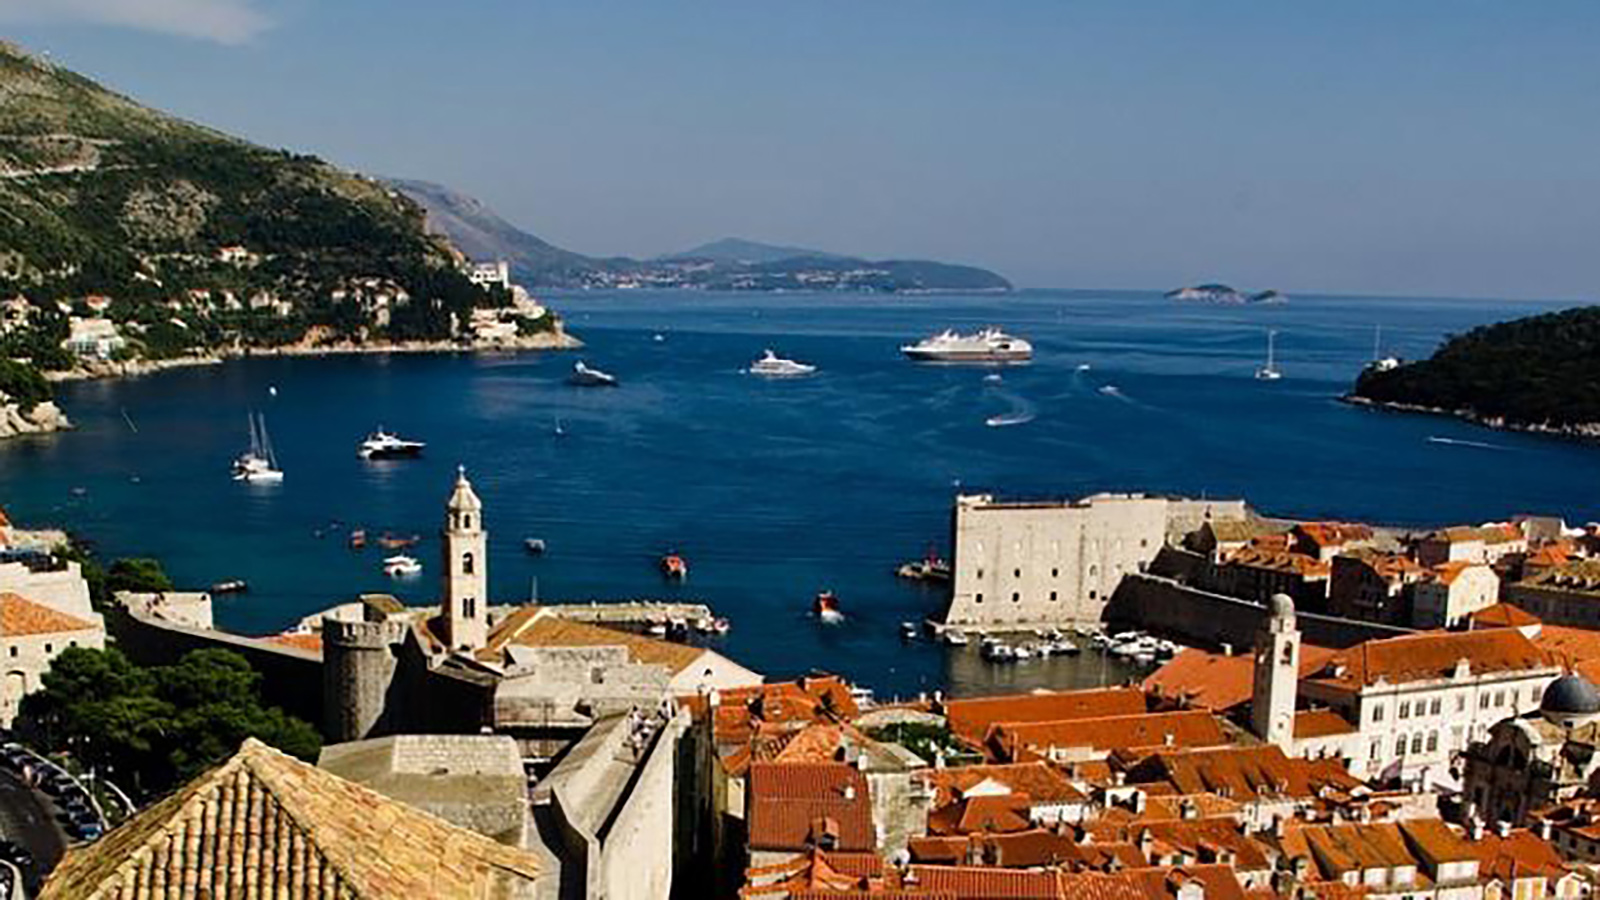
[466,565]
[1277,675]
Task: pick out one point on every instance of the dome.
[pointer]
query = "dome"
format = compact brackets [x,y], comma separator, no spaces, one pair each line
[1280,606]
[1570,695]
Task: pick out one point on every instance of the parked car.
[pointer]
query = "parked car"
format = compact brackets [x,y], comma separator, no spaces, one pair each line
[86,831]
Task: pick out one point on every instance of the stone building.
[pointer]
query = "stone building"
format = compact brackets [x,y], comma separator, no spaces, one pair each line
[31,636]
[1567,594]
[1535,760]
[1373,586]
[1449,593]
[1481,544]
[1019,564]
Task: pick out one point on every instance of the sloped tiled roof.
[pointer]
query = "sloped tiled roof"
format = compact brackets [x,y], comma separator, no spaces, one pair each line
[21,616]
[790,802]
[972,718]
[1276,560]
[554,631]
[1431,655]
[1520,854]
[1315,723]
[1041,782]
[1500,533]
[292,831]
[1239,773]
[1578,576]
[1504,615]
[1218,682]
[1575,648]
[1023,741]
[1333,534]
[980,815]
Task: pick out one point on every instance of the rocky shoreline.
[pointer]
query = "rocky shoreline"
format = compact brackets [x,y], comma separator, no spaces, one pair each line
[556,340]
[1588,431]
[44,418]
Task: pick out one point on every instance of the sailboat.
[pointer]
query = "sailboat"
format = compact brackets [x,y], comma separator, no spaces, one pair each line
[1269,372]
[1381,363]
[258,465]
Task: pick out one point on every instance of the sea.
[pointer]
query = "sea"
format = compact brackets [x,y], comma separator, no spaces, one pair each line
[774,489]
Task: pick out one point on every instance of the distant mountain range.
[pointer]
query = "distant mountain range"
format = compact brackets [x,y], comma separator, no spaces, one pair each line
[726,264]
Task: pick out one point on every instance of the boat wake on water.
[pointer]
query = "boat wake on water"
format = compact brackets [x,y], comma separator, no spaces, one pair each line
[1457,442]
[1021,412]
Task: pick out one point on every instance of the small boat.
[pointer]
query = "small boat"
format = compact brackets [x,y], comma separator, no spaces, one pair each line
[585,376]
[534,546]
[1083,367]
[390,542]
[954,638]
[657,629]
[1064,647]
[908,631]
[995,651]
[993,378]
[658,337]
[383,445]
[1023,651]
[400,566]
[774,366]
[674,566]
[358,539]
[931,568]
[1269,372]
[826,607]
[560,429]
[258,465]
[233,586]
[1110,390]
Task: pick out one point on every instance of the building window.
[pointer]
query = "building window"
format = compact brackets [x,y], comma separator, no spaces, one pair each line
[1533,694]
[466,564]
[1483,700]
[466,521]
[72,643]
[1461,703]
[980,573]
[1377,747]
[1433,741]
[1377,712]
[1016,573]
[1405,709]
[1052,596]
[977,598]
[1016,597]
[1416,742]
[1434,706]
[1400,745]
[49,648]
[1092,595]
[1055,573]
[470,607]
[1499,698]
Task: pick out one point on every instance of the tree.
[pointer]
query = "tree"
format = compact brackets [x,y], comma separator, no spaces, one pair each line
[140,575]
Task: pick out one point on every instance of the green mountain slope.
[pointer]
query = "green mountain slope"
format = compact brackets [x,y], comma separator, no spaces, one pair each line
[100,195]
[1537,372]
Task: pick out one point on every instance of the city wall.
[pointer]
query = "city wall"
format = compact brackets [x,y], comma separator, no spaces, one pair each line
[1206,619]
[636,853]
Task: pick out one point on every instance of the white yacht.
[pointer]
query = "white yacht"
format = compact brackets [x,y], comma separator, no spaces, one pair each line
[382,445]
[401,566]
[258,465]
[585,376]
[988,345]
[773,365]
[1269,372]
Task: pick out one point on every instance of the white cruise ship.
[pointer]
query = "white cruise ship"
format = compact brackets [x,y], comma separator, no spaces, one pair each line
[988,345]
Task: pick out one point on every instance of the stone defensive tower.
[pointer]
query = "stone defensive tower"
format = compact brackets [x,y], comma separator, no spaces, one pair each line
[465,564]
[1277,675]
[358,665]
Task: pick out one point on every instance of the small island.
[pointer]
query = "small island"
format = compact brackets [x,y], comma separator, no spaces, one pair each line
[1224,294]
[1531,374]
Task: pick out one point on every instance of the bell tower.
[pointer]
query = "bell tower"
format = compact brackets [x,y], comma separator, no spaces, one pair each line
[1277,675]
[465,563]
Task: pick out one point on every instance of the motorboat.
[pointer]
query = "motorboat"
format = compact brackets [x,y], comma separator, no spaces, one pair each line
[908,631]
[1064,647]
[259,464]
[358,539]
[995,651]
[383,445]
[1023,651]
[401,566]
[1083,367]
[390,542]
[988,345]
[826,607]
[993,378]
[954,638]
[534,546]
[232,586]
[1269,372]
[774,366]
[657,629]
[587,376]
[674,566]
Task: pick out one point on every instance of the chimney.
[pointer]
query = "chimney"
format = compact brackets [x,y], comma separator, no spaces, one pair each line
[861,761]
[1477,830]
[1544,829]
[1279,826]
[1188,809]
[1138,803]
[849,792]
[938,759]
[1167,739]
[1227,649]
[1502,828]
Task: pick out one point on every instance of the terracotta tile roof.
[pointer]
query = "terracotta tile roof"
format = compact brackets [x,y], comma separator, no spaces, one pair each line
[293,831]
[791,807]
[1504,615]
[971,719]
[312,642]
[1431,655]
[1239,773]
[1435,842]
[1447,573]
[1337,849]
[1232,531]
[1041,782]
[1206,680]
[1578,576]
[1315,723]
[1549,555]
[741,710]
[981,815]
[1024,741]
[990,883]
[1498,533]
[21,616]
[1161,807]
[817,871]
[1576,648]
[1388,566]
[1193,838]
[973,882]
[554,631]
[1333,534]
[1279,560]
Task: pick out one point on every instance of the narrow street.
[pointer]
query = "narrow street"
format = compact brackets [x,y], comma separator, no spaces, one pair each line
[27,819]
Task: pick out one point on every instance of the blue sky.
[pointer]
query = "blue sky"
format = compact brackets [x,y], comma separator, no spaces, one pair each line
[1416,148]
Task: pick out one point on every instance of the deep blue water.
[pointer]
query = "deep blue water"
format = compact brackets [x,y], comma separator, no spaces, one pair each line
[773,489]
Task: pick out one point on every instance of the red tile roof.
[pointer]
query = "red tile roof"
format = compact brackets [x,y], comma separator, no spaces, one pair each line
[1041,782]
[1431,655]
[1259,557]
[971,719]
[1503,615]
[312,642]
[790,806]
[1315,723]
[1576,648]
[1498,533]
[1024,741]
[20,616]
[1206,680]
[1333,534]
[1240,773]
[981,815]
[741,711]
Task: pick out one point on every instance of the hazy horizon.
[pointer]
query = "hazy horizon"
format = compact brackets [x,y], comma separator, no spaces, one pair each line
[1433,149]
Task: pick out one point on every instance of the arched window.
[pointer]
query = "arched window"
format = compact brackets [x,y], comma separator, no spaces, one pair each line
[1288,651]
[466,564]
[466,520]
